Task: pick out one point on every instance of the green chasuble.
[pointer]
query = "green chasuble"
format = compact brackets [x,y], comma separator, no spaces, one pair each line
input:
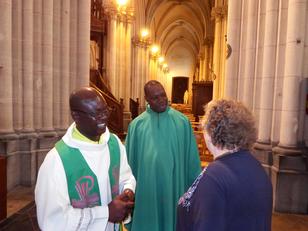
[163,156]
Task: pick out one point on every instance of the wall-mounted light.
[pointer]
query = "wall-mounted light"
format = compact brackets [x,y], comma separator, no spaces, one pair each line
[165,68]
[122,3]
[165,65]
[144,33]
[154,50]
[161,59]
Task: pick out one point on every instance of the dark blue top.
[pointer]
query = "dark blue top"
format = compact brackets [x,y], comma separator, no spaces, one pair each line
[233,193]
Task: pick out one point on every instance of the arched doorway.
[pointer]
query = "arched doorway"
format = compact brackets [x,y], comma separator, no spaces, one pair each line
[179,86]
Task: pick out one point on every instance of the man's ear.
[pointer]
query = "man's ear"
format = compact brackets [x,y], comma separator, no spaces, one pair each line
[75,115]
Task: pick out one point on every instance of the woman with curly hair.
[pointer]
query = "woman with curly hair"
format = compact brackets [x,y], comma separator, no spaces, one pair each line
[233,193]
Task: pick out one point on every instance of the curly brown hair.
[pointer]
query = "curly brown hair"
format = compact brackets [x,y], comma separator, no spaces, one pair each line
[229,124]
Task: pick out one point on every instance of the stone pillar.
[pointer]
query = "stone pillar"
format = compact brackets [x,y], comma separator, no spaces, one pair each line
[293,70]
[126,73]
[83,41]
[47,62]
[113,43]
[139,71]
[56,63]
[290,175]
[206,63]
[121,79]
[233,46]
[152,63]
[144,76]
[128,58]
[263,147]
[73,44]
[17,64]
[250,53]
[219,12]
[268,75]
[201,69]
[65,64]
[27,65]
[6,97]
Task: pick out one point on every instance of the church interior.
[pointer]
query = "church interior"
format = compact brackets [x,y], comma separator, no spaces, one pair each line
[253,51]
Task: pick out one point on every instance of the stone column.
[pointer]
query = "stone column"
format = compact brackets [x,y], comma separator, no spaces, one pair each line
[151,68]
[146,76]
[206,63]
[83,50]
[65,64]
[139,72]
[6,97]
[128,62]
[290,175]
[17,64]
[27,65]
[250,53]
[47,62]
[201,69]
[113,43]
[121,62]
[126,73]
[293,71]
[233,46]
[145,65]
[268,75]
[73,44]
[219,12]
[56,63]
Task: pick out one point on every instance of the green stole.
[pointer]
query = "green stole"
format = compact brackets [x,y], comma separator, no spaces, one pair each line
[82,183]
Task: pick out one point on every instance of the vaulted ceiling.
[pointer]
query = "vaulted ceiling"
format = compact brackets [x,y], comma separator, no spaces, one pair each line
[176,23]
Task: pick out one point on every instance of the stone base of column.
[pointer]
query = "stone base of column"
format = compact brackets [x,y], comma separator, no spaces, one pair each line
[46,141]
[263,153]
[290,180]
[8,147]
[24,153]
[127,117]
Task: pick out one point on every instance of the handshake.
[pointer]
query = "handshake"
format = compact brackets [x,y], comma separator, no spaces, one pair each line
[121,206]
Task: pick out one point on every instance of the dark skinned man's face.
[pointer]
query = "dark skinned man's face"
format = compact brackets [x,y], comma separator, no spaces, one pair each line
[157,98]
[91,117]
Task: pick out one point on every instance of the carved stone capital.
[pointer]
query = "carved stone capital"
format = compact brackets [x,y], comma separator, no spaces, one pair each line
[219,12]
[140,42]
[208,41]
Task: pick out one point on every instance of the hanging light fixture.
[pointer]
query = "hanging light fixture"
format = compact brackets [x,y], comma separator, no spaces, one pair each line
[144,33]
[154,49]
[122,3]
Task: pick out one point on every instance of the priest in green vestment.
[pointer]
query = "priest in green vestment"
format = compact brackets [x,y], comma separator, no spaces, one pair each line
[163,156]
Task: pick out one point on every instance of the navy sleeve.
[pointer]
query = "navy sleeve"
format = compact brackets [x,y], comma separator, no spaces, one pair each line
[208,206]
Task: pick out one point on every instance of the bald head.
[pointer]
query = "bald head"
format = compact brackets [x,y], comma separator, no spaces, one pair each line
[90,112]
[156,96]
[83,97]
[151,85]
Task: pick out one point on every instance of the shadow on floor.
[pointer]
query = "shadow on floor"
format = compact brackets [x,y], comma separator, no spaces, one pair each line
[25,220]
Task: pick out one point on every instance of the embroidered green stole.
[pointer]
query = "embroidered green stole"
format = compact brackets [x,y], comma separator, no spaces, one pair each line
[82,183]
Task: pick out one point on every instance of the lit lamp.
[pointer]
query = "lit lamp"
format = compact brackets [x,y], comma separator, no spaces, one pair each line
[165,68]
[154,51]
[161,59]
[122,5]
[144,33]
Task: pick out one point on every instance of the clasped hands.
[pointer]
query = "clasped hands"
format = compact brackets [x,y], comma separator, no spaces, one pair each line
[121,206]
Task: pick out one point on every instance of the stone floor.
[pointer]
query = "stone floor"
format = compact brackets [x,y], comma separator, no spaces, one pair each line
[21,215]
